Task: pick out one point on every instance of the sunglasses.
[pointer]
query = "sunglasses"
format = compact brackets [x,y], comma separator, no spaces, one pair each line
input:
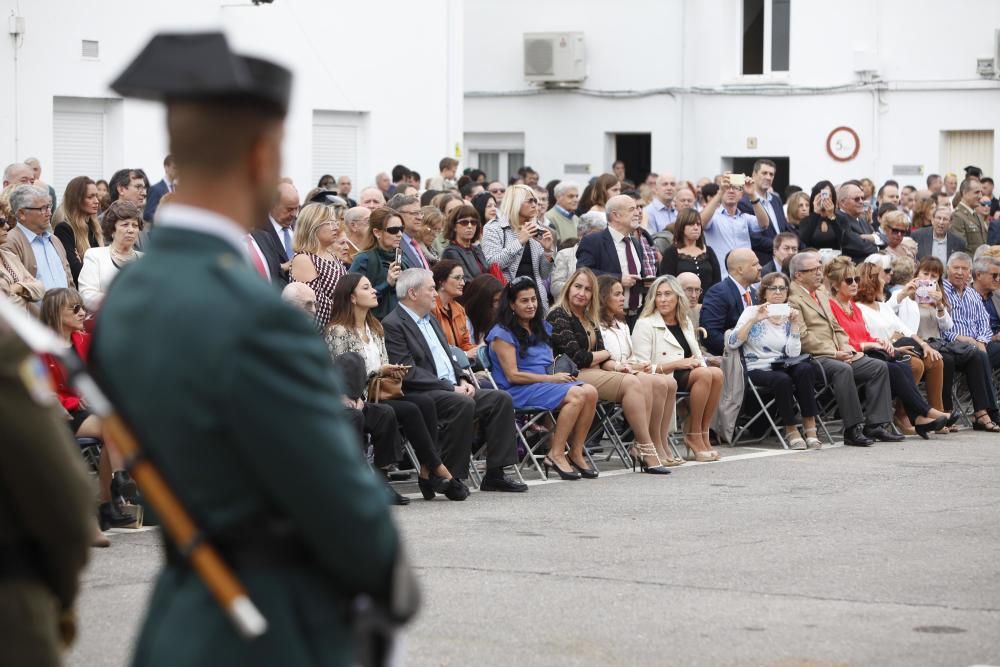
[467,222]
[887,271]
[985,202]
[532,201]
[851,281]
[996,276]
[902,232]
[498,191]
[393,230]
[76,308]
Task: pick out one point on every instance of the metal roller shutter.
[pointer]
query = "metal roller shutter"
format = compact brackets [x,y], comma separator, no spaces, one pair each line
[335,146]
[78,145]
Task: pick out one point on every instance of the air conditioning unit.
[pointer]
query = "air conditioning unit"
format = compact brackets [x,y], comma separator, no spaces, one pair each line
[554,58]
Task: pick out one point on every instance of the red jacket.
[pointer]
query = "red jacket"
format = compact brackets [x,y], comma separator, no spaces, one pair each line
[854,325]
[69,399]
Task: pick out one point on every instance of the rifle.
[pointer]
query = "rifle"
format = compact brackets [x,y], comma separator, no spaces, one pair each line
[205,560]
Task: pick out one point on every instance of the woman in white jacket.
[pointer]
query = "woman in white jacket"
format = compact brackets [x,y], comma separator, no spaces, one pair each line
[121,225]
[664,337]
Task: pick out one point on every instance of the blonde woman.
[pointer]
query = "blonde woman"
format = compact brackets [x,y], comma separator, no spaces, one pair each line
[797,209]
[80,231]
[516,242]
[317,261]
[664,337]
[575,321]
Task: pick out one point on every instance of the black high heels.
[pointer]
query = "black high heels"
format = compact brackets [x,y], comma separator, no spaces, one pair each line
[568,476]
[924,429]
[989,425]
[586,473]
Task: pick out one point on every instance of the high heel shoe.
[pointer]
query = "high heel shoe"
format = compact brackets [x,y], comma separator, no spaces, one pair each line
[586,473]
[924,429]
[568,476]
[711,452]
[953,418]
[639,453]
[989,425]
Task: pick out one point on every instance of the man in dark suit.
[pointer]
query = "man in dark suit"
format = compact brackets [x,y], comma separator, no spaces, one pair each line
[275,235]
[276,494]
[725,300]
[860,238]
[408,207]
[764,171]
[615,252]
[937,240]
[414,338]
[786,246]
[165,185]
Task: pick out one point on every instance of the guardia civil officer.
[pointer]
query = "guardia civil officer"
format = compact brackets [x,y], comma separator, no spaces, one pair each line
[46,514]
[236,400]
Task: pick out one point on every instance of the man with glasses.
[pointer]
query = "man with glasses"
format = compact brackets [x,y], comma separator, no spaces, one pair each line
[986,280]
[692,290]
[408,206]
[966,223]
[860,239]
[616,252]
[32,240]
[497,189]
[968,309]
[846,369]
[726,227]
[938,240]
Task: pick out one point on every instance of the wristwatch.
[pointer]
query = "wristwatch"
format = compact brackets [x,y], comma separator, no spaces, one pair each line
[755,201]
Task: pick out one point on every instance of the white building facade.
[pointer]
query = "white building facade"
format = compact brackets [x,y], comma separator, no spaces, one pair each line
[698,87]
[375,83]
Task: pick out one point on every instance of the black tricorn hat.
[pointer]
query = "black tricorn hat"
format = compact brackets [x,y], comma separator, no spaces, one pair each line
[975,172]
[201,67]
[328,197]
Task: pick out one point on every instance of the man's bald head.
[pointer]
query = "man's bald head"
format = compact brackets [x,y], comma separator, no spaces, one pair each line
[18,174]
[743,266]
[301,296]
[372,198]
[691,284]
[286,204]
[620,211]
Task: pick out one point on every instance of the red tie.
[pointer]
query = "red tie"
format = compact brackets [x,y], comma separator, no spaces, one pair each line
[746,299]
[255,258]
[634,291]
[420,253]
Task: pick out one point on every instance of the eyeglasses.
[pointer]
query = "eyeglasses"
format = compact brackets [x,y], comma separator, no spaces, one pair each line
[692,290]
[497,191]
[467,222]
[76,308]
[812,270]
[851,280]
[857,199]
[418,214]
[777,288]
[36,208]
[459,279]
[393,230]
[532,201]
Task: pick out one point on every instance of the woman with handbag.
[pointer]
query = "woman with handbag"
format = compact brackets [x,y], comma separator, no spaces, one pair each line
[842,278]
[520,355]
[770,337]
[576,334]
[883,322]
[664,336]
[660,390]
[354,328]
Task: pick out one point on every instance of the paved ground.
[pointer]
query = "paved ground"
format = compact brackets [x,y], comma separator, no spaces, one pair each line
[881,556]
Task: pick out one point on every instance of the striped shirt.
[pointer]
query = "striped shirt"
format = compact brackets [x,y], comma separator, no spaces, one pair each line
[968,313]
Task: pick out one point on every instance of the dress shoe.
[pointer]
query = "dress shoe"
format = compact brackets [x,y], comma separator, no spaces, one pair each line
[924,429]
[123,486]
[503,483]
[395,498]
[110,515]
[881,433]
[855,437]
[452,489]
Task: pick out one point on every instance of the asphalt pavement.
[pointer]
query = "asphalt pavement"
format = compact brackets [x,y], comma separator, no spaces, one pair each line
[845,556]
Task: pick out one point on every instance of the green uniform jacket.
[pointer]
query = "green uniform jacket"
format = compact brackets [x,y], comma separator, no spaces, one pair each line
[967,225]
[232,395]
[46,514]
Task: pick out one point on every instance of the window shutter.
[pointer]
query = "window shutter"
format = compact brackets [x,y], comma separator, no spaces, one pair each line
[335,146]
[967,147]
[78,141]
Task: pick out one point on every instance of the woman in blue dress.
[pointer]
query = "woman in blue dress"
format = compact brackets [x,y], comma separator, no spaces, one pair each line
[520,356]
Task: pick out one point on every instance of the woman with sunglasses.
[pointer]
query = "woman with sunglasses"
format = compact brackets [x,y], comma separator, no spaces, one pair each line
[896,229]
[768,340]
[842,277]
[382,262]
[517,243]
[520,355]
[63,312]
[462,230]
[16,282]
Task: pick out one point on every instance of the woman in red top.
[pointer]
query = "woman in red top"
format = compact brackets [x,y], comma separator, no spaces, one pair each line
[842,277]
[62,311]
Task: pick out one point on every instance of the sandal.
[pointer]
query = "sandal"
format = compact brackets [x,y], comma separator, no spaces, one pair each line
[989,425]
[812,442]
[795,441]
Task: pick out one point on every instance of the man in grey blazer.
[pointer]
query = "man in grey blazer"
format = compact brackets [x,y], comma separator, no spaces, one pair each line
[32,241]
[938,239]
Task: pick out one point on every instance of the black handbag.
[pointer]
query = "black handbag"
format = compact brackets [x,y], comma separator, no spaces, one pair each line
[563,364]
[787,362]
[881,355]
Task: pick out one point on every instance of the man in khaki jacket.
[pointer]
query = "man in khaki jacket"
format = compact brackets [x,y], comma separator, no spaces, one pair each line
[846,369]
[32,238]
[965,222]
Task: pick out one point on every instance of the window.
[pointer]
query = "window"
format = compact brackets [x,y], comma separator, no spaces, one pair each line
[78,140]
[499,154]
[336,138]
[766,36]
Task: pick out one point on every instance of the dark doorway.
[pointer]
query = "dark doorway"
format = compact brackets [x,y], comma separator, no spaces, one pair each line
[744,165]
[634,150]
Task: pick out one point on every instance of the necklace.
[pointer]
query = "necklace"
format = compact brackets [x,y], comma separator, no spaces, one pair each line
[123,259]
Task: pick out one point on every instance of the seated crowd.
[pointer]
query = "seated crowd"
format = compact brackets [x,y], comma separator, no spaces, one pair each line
[849,303]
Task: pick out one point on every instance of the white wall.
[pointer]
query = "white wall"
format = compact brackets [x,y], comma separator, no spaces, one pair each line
[345,56]
[924,53]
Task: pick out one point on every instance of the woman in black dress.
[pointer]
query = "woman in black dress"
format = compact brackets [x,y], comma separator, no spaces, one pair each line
[822,228]
[688,253]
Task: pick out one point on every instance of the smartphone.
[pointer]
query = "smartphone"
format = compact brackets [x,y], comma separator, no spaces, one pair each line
[924,289]
[399,255]
[824,195]
[737,180]
[778,309]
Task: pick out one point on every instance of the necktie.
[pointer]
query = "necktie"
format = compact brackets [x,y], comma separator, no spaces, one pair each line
[633,292]
[287,240]
[746,299]
[419,253]
[255,258]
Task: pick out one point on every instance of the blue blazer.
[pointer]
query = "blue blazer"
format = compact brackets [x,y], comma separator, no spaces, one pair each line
[597,252]
[410,254]
[763,242]
[153,197]
[721,308]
